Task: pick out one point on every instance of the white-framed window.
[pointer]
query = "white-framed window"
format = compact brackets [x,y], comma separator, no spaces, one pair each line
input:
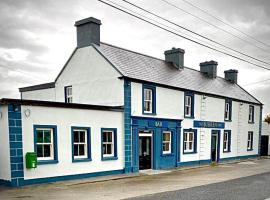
[189,141]
[227,111]
[166,142]
[226,142]
[108,143]
[68,94]
[251,114]
[250,141]
[188,106]
[44,144]
[148,100]
[80,146]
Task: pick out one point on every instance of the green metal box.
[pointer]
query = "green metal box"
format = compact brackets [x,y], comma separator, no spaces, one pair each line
[31,160]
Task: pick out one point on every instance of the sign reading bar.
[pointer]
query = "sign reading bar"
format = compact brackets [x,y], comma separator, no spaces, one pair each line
[208,124]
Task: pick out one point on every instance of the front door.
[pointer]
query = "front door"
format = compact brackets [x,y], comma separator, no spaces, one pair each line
[145,154]
[214,146]
[264,145]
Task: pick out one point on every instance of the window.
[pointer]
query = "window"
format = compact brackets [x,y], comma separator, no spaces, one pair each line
[81,144]
[68,94]
[251,114]
[227,141]
[45,143]
[109,144]
[250,141]
[166,142]
[189,105]
[189,145]
[228,110]
[149,99]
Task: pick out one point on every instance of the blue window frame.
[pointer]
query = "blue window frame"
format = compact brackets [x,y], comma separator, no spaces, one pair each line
[228,110]
[148,99]
[189,141]
[45,144]
[189,105]
[227,141]
[251,114]
[250,141]
[109,144]
[68,94]
[81,144]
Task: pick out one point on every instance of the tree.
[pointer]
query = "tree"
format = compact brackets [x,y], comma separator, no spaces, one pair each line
[267,119]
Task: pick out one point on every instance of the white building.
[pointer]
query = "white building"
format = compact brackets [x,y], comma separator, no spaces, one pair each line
[112,110]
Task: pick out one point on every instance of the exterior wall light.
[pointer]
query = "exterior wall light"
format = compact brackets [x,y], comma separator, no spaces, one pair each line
[27,113]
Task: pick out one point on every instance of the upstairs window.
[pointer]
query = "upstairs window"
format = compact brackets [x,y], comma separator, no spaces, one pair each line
[166,142]
[251,114]
[227,141]
[189,105]
[250,141]
[149,95]
[189,142]
[228,110]
[68,94]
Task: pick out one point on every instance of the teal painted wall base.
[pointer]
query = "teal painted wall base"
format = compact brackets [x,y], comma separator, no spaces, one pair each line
[5,182]
[191,163]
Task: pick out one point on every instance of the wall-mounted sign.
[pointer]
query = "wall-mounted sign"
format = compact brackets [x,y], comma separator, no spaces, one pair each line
[208,124]
[158,124]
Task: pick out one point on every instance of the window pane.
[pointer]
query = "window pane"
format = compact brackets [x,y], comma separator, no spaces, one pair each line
[190,136]
[185,136]
[82,136]
[39,151]
[190,145]
[81,150]
[76,136]
[76,150]
[47,136]
[39,136]
[185,146]
[166,136]
[109,136]
[104,149]
[47,150]
[109,149]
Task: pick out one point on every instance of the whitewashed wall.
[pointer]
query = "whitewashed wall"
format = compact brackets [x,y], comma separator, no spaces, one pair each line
[266,131]
[41,95]
[5,171]
[64,119]
[93,80]
[170,104]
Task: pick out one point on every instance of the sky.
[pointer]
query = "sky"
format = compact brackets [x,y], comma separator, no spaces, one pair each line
[38,36]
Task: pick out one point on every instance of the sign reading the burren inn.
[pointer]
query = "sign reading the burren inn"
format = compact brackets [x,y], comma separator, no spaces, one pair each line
[208,124]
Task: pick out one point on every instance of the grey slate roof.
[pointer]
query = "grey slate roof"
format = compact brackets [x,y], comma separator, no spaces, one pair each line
[146,68]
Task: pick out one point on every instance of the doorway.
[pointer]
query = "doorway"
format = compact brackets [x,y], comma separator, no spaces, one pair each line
[145,151]
[215,146]
[264,145]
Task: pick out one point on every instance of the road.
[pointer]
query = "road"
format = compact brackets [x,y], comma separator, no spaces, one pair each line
[255,187]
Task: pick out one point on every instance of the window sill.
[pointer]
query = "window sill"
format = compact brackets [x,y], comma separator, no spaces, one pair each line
[47,162]
[109,158]
[149,113]
[189,117]
[167,154]
[187,153]
[227,120]
[226,151]
[81,160]
[251,122]
[249,149]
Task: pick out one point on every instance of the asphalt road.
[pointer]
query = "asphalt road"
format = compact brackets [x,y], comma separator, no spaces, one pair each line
[255,187]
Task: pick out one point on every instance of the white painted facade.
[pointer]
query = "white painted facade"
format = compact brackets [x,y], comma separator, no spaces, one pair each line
[64,119]
[5,172]
[39,95]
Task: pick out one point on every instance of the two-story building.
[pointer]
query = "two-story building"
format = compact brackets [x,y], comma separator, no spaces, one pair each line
[111,110]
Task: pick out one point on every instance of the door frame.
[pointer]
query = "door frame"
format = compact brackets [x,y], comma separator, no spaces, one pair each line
[267,152]
[141,133]
[215,132]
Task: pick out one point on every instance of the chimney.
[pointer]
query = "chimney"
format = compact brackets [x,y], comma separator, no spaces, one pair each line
[176,57]
[88,32]
[209,68]
[231,75]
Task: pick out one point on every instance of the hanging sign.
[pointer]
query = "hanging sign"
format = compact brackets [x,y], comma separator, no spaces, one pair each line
[208,124]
